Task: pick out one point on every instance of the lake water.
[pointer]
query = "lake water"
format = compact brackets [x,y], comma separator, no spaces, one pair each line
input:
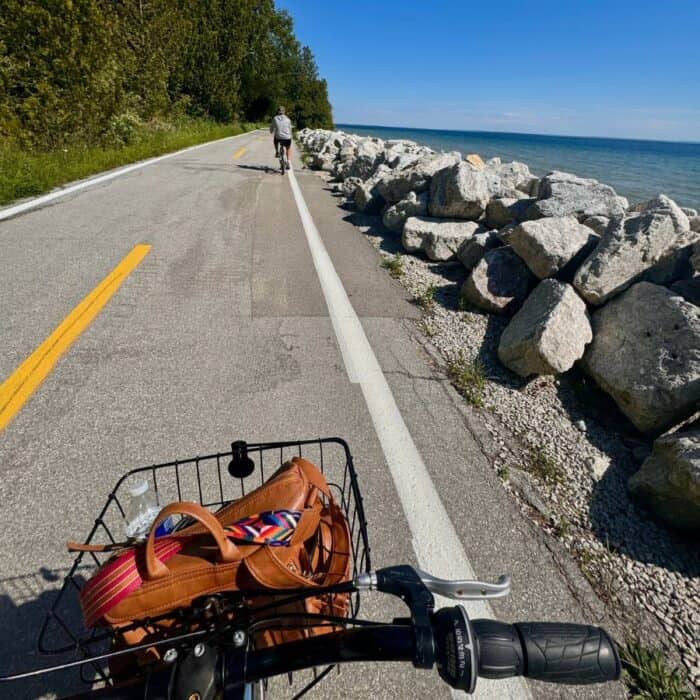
[637,170]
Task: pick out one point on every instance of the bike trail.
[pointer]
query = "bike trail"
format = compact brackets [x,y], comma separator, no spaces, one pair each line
[222,332]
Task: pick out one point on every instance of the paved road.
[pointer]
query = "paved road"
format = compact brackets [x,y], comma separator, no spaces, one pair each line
[222,332]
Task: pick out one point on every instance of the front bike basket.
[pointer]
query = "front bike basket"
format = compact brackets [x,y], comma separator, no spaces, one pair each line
[212,481]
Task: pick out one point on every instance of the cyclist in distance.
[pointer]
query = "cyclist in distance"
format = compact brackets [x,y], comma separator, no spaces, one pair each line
[281,129]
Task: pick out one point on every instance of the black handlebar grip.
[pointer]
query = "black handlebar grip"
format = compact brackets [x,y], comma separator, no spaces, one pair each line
[500,651]
[567,653]
[546,651]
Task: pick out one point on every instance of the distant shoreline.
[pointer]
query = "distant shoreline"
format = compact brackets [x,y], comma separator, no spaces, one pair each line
[638,169]
[528,134]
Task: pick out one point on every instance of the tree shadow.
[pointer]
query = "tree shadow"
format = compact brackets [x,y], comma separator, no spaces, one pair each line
[25,602]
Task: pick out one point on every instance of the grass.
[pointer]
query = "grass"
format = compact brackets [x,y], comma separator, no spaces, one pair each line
[469,378]
[394,265]
[426,299]
[544,467]
[26,173]
[426,328]
[648,675]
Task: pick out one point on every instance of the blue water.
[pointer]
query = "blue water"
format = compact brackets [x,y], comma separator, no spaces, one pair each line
[637,170]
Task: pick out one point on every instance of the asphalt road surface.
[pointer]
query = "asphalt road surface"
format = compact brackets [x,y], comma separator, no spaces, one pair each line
[223,332]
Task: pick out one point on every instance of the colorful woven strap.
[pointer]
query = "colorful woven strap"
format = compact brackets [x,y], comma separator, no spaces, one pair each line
[120,577]
[274,527]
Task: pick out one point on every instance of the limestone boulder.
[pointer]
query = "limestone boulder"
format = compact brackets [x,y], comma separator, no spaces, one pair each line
[369,155]
[502,211]
[439,239]
[564,194]
[499,283]
[597,224]
[367,196]
[669,480]
[460,192]
[548,245]
[511,176]
[471,250]
[694,222]
[630,246]
[413,204]
[416,175]
[688,289]
[646,355]
[548,334]
[349,186]
[695,257]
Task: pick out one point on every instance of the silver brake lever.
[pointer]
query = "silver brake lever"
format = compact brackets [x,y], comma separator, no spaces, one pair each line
[466,590]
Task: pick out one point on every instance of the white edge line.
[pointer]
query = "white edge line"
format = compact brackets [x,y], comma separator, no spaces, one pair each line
[11,211]
[435,540]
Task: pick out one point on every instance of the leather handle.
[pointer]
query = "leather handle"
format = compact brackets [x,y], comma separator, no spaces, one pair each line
[228,552]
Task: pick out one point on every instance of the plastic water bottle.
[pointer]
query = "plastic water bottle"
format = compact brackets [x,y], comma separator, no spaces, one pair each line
[142,511]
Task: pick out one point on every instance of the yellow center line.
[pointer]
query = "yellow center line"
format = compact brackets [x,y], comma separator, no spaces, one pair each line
[23,382]
[238,153]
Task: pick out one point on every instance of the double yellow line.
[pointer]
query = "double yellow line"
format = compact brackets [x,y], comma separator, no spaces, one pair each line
[21,384]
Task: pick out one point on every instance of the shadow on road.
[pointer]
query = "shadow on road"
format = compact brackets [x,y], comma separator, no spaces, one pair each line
[261,168]
[24,604]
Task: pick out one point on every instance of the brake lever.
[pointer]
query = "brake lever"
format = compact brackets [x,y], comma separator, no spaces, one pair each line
[465,590]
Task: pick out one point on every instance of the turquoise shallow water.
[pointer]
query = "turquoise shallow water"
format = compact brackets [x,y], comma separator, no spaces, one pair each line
[637,170]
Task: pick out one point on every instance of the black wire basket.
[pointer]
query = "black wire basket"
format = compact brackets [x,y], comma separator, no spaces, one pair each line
[206,480]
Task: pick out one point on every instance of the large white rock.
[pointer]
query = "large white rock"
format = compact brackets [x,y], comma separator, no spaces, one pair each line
[367,196]
[646,354]
[695,257]
[669,480]
[460,191]
[413,204]
[502,211]
[499,283]
[548,245]
[630,247]
[564,194]
[473,249]
[369,155]
[548,334]
[510,176]
[597,224]
[415,176]
[439,239]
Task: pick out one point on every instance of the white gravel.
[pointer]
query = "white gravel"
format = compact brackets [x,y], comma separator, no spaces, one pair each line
[637,566]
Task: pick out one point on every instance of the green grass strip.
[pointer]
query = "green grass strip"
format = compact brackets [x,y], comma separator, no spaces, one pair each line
[26,173]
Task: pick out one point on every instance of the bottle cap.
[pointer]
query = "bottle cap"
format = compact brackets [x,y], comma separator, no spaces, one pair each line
[138,487]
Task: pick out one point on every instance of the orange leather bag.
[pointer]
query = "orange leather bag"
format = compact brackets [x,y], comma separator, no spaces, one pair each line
[166,573]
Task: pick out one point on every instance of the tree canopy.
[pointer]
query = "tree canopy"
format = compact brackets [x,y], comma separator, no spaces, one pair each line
[79,70]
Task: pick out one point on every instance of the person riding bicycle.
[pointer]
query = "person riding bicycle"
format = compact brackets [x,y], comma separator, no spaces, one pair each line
[281,128]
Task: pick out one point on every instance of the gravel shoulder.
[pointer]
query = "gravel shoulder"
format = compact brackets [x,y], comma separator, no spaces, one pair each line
[564,457]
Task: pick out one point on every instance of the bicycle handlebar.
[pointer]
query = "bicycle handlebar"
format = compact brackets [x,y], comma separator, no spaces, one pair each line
[464,650]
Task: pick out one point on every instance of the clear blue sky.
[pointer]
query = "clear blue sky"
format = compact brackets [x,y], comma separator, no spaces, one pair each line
[584,67]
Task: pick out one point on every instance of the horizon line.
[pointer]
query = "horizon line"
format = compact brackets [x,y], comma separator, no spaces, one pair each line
[522,133]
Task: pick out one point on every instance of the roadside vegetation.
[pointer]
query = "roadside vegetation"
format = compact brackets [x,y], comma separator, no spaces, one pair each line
[469,378]
[394,265]
[29,172]
[426,299]
[86,86]
[648,675]
[543,466]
